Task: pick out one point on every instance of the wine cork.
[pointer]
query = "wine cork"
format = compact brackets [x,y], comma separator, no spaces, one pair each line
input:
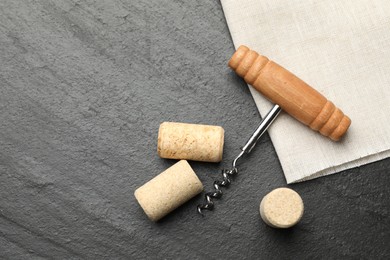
[168,190]
[281,208]
[190,142]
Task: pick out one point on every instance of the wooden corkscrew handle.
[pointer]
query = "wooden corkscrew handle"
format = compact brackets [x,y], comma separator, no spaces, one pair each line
[292,94]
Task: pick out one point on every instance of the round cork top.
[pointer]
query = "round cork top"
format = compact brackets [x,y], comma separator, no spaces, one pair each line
[281,208]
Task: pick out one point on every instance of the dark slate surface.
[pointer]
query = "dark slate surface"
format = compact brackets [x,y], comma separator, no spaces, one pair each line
[83,89]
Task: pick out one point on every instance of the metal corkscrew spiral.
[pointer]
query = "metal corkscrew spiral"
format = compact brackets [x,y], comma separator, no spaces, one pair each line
[228,174]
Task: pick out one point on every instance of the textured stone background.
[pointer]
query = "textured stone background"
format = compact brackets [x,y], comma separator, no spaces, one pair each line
[84,86]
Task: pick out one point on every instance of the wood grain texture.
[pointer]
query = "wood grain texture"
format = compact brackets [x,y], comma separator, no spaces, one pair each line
[84,86]
[291,93]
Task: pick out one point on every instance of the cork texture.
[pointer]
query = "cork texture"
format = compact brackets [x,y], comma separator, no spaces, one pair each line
[190,142]
[281,208]
[168,190]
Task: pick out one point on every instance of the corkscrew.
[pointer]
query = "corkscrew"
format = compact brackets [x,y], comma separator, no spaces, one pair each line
[228,174]
[289,93]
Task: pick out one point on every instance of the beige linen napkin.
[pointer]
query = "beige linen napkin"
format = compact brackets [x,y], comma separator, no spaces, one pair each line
[342,49]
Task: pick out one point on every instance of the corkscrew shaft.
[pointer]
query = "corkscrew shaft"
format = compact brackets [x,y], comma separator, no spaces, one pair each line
[227,174]
[260,130]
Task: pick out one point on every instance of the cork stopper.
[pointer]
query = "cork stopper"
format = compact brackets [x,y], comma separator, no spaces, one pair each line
[281,208]
[190,142]
[168,190]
